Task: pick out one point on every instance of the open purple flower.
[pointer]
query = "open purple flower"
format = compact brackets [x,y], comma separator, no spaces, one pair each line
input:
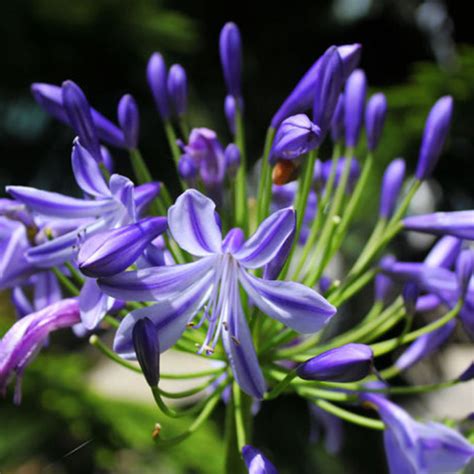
[27,336]
[212,283]
[419,448]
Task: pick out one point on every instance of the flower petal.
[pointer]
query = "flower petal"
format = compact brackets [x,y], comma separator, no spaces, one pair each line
[192,223]
[93,304]
[240,351]
[291,303]
[265,243]
[58,205]
[123,191]
[156,282]
[87,172]
[169,317]
[46,290]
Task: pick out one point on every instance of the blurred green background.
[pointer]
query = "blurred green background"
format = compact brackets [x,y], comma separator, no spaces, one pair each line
[415,51]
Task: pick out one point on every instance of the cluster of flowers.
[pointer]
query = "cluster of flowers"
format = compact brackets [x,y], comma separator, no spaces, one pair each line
[198,274]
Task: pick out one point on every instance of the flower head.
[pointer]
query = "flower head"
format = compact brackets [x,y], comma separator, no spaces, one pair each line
[256,462]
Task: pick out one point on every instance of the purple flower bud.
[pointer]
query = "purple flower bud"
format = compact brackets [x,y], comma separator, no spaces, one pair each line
[375,119]
[354,103]
[468,374]
[296,136]
[464,270]
[302,96]
[383,283]
[347,363]
[178,89]
[129,120]
[444,253]
[187,168]
[327,89]
[113,251]
[157,81]
[232,159]
[324,284]
[230,48]
[337,122]
[256,462]
[230,110]
[107,159]
[391,186]
[424,346]
[410,295]
[26,337]
[147,350]
[354,171]
[79,116]
[50,98]
[458,224]
[427,303]
[434,136]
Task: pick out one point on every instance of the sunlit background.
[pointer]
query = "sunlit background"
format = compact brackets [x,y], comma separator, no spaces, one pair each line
[79,415]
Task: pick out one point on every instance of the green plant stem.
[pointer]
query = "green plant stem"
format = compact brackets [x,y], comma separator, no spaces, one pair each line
[191,391]
[240,201]
[66,283]
[95,341]
[171,137]
[389,345]
[76,275]
[281,386]
[192,375]
[264,193]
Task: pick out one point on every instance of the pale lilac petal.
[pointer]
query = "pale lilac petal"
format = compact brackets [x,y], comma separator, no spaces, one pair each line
[239,348]
[93,303]
[123,191]
[57,205]
[193,224]
[21,302]
[169,317]
[46,290]
[87,172]
[265,243]
[154,283]
[291,303]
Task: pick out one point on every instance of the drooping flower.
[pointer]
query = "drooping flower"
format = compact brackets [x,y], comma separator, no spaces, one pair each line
[50,98]
[347,363]
[26,337]
[212,283]
[256,462]
[434,136]
[296,136]
[147,350]
[419,448]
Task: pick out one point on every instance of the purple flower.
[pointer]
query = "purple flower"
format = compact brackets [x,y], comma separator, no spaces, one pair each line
[50,98]
[327,89]
[79,116]
[419,448]
[147,350]
[256,462]
[27,336]
[178,89]
[434,136]
[212,282]
[232,159]
[391,185]
[444,253]
[337,122]
[354,103]
[347,363]
[157,81]
[302,96]
[374,119]
[230,48]
[458,224]
[112,251]
[296,136]
[425,345]
[187,168]
[129,120]
[230,111]
[410,295]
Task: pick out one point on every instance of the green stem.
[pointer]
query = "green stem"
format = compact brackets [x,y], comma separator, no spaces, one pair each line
[240,200]
[171,137]
[95,341]
[191,391]
[66,283]
[264,193]
[192,375]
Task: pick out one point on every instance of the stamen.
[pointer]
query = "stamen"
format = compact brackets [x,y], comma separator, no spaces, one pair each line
[235,340]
